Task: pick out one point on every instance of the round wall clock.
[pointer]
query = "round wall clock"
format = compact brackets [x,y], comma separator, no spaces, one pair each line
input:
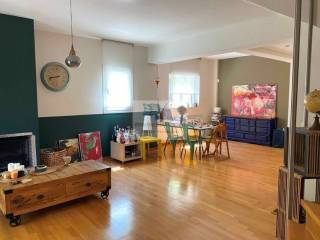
[54,76]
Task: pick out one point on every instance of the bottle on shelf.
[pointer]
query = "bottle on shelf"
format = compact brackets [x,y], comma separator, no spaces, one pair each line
[114,134]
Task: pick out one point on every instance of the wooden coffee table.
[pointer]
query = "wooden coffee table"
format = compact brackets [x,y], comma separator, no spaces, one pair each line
[68,183]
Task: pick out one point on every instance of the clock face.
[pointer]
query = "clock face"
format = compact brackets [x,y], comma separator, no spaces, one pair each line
[55,76]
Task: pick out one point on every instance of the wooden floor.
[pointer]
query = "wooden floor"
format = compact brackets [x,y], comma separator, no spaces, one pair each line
[170,198]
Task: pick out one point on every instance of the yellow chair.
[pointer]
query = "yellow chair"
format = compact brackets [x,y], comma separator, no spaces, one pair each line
[144,143]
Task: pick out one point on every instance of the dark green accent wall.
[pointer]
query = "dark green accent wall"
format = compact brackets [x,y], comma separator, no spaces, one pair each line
[53,129]
[18,92]
[253,70]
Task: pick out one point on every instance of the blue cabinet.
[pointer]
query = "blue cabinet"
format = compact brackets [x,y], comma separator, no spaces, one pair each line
[250,130]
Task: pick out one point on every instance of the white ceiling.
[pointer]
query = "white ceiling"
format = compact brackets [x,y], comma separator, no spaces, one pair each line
[138,21]
[283,48]
[282,51]
[228,55]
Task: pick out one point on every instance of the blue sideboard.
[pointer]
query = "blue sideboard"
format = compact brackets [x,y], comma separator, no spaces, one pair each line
[251,130]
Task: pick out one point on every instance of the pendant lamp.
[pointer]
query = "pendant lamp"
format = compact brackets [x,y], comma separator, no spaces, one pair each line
[72,61]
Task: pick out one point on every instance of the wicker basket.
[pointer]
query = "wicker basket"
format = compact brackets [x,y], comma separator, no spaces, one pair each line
[52,156]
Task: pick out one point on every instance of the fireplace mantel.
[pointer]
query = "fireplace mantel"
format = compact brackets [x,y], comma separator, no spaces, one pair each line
[16,135]
[9,154]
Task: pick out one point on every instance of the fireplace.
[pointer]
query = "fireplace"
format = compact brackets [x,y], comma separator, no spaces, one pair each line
[17,148]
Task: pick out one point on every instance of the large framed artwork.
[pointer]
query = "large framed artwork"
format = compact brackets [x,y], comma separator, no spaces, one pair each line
[90,146]
[255,100]
[72,147]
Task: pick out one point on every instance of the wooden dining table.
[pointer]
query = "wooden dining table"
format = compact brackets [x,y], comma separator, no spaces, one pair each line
[198,128]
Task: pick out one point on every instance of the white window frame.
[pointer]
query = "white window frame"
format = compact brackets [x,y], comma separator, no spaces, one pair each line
[193,95]
[106,78]
[117,57]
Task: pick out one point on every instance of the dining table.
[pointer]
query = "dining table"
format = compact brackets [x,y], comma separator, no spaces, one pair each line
[199,128]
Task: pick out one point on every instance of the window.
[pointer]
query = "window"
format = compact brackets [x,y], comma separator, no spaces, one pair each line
[184,89]
[117,76]
[118,90]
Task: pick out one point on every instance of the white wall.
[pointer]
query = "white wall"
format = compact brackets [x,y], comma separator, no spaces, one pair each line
[145,74]
[207,70]
[286,7]
[84,93]
[315,70]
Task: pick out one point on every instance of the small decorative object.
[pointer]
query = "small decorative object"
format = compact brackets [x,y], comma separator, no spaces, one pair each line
[137,137]
[216,117]
[15,167]
[196,122]
[21,173]
[11,167]
[147,125]
[114,133]
[167,114]
[161,115]
[6,175]
[14,174]
[54,76]
[72,60]
[182,110]
[157,81]
[254,100]
[151,107]
[217,110]
[122,138]
[72,147]
[312,104]
[133,135]
[90,146]
[67,160]
[40,168]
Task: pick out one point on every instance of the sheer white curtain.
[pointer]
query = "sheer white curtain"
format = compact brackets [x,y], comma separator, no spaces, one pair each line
[184,89]
[117,76]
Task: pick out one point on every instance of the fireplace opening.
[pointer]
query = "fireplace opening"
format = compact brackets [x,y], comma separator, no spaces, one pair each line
[16,149]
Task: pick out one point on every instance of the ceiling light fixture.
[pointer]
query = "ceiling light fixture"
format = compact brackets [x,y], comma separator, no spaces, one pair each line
[72,60]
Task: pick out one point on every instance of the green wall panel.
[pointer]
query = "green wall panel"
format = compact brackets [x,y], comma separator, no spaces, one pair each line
[53,129]
[18,93]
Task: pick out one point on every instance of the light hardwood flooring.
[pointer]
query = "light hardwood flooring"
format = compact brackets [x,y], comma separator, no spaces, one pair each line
[170,198]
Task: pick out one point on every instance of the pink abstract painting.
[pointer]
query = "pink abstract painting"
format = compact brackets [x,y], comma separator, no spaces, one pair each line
[256,100]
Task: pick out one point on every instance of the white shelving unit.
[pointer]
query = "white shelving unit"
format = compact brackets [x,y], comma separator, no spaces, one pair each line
[125,152]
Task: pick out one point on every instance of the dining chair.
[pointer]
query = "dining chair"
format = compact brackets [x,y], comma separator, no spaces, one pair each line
[171,138]
[214,139]
[223,135]
[188,140]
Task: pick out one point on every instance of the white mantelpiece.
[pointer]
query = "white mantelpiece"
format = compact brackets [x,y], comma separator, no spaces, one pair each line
[32,144]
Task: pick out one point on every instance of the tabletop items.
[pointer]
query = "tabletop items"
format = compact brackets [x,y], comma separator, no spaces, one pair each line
[124,135]
[15,170]
[216,116]
[195,123]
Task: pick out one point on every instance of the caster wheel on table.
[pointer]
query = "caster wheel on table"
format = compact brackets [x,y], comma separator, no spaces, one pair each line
[15,221]
[104,194]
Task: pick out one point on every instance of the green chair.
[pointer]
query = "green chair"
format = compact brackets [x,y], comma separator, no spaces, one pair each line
[171,138]
[188,140]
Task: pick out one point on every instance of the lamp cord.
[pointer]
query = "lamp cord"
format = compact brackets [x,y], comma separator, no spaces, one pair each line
[71,22]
